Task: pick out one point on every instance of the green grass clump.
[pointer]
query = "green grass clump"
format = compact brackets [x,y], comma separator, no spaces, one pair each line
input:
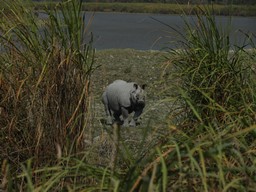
[216,79]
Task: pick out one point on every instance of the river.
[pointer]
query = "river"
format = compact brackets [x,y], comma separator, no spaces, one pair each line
[142,32]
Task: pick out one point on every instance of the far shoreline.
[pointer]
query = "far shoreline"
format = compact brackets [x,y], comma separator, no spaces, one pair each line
[175,9]
[160,8]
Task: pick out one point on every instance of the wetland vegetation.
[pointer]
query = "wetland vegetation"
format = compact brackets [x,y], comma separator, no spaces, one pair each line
[197,131]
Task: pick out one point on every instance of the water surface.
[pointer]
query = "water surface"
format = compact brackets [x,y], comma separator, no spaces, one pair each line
[142,32]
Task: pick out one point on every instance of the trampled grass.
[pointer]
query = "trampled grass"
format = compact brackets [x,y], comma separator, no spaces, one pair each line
[204,141]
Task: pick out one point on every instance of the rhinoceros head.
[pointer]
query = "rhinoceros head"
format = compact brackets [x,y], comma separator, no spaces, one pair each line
[138,95]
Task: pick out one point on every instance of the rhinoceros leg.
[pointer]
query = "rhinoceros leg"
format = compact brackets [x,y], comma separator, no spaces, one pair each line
[135,117]
[132,123]
[117,116]
[109,117]
[125,115]
[107,109]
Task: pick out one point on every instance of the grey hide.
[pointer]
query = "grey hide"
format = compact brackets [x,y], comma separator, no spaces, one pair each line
[123,98]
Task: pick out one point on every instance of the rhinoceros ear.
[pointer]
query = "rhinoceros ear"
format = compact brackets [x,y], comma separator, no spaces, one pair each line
[135,86]
[143,86]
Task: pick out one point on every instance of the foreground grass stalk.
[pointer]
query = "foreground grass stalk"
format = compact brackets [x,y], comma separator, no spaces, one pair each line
[149,167]
[115,147]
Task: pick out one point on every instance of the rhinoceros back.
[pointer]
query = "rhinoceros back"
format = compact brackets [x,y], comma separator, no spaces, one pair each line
[118,94]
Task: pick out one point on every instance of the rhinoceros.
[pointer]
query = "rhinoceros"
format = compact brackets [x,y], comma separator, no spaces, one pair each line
[122,98]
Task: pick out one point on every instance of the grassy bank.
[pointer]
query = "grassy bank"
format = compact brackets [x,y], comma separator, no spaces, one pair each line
[163,8]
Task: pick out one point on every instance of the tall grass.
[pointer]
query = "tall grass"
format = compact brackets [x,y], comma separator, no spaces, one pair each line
[214,113]
[45,69]
[216,79]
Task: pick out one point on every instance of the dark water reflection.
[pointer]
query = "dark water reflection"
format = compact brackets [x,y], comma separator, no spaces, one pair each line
[140,31]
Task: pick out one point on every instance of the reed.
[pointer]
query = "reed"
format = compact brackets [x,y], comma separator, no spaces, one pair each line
[46,64]
[216,80]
